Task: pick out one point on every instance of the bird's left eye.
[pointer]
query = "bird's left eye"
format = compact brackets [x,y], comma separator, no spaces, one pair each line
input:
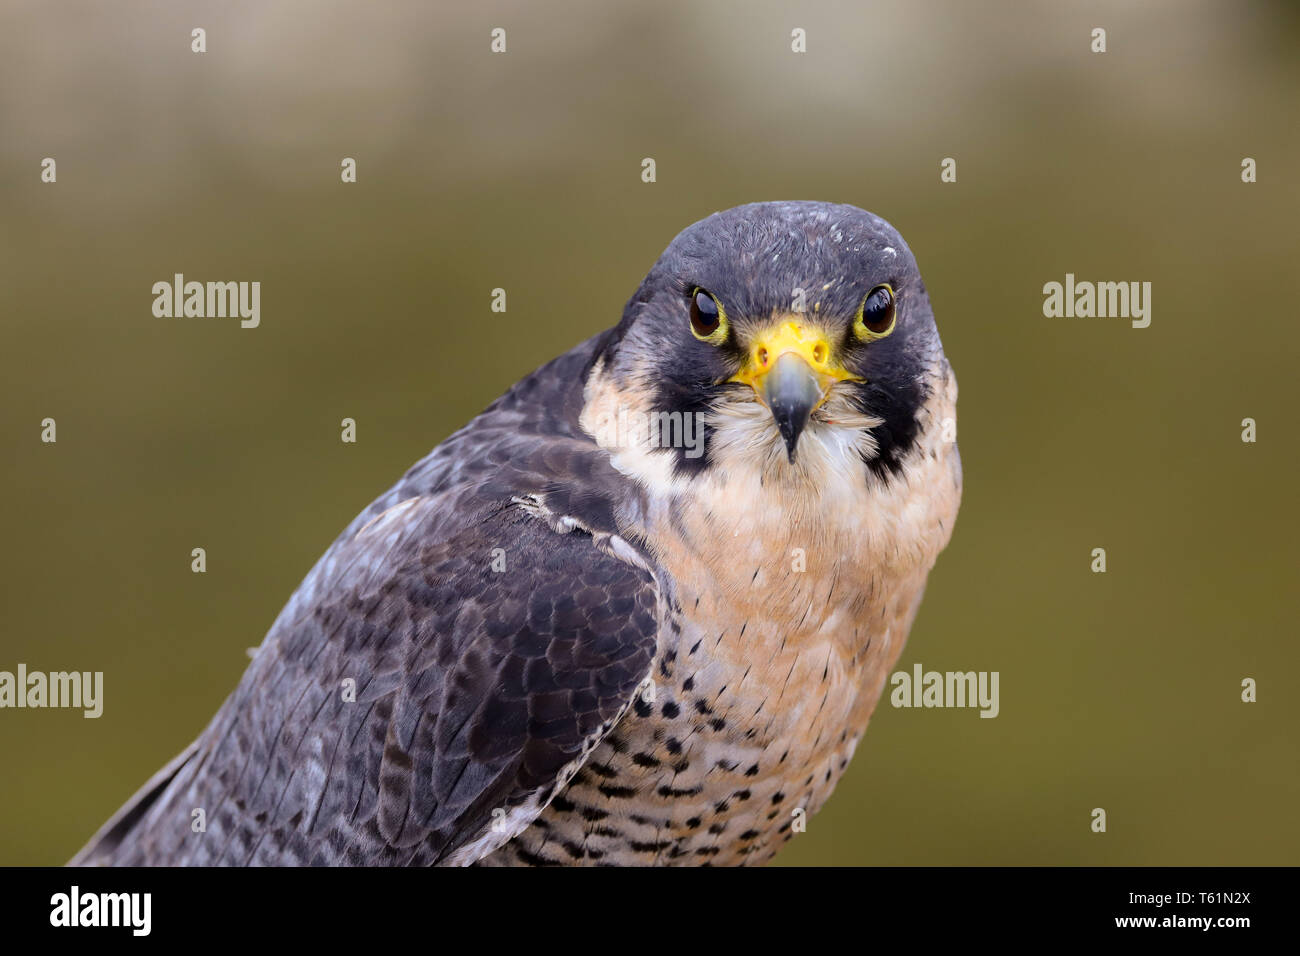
[708,317]
[876,315]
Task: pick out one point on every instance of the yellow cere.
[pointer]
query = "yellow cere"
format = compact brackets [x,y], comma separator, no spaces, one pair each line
[809,343]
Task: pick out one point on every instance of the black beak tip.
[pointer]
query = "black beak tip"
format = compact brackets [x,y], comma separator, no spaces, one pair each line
[791,392]
[790,422]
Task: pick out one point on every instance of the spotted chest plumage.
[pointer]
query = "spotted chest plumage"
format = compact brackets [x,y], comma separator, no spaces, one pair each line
[710,770]
[772,657]
[747,731]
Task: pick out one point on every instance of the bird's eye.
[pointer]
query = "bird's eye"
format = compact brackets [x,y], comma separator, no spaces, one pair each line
[876,315]
[708,317]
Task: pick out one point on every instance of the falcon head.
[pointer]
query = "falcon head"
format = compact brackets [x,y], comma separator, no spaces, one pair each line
[788,338]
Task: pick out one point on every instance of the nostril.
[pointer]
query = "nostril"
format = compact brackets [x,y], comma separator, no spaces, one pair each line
[762,358]
[819,353]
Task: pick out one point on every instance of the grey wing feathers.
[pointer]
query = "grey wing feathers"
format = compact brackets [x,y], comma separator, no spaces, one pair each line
[476,692]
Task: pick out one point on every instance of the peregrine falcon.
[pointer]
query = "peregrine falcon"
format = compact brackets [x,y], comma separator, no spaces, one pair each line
[638,611]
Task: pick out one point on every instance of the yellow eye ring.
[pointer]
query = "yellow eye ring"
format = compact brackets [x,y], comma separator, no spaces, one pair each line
[877,315]
[708,317]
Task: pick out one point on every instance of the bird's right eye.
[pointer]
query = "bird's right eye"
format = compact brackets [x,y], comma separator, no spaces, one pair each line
[708,317]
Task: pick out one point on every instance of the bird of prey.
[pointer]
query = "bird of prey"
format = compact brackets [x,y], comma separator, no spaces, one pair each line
[638,611]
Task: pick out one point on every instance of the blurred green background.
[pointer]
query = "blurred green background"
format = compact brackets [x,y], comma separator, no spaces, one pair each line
[522,171]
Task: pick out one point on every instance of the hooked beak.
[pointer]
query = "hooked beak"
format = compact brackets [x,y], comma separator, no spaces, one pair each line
[791,370]
[791,391]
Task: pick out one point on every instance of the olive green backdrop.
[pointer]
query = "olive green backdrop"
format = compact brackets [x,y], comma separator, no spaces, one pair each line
[1118,690]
